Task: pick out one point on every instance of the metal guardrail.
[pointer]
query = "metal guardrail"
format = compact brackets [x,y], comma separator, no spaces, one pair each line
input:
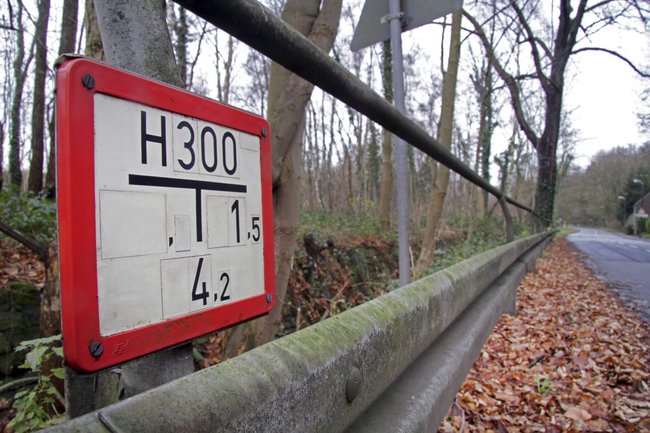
[267,33]
[354,372]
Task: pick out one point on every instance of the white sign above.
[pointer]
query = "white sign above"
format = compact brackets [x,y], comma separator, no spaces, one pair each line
[373,27]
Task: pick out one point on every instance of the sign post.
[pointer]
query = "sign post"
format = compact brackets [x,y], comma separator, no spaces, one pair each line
[401,160]
[380,20]
[165,215]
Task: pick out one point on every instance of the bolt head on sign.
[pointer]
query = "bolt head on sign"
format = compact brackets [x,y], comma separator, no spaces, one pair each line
[165,215]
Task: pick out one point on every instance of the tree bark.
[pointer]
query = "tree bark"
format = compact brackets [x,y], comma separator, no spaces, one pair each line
[386,190]
[139,42]
[69,21]
[67,43]
[374,163]
[486,127]
[440,177]
[288,97]
[224,78]
[35,181]
[181,30]
[20,73]
[2,152]
[94,48]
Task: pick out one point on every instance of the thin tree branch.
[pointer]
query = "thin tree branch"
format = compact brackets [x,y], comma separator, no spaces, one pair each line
[11,13]
[576,23]
[533,42]
[615,54]
[510,81]
[198,52]
[599,4]
[39,249]
[523,77]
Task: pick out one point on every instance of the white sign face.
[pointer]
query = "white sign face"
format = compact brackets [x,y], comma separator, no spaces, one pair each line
[178,212]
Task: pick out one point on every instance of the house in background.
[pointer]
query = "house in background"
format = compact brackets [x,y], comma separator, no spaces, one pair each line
[638,221]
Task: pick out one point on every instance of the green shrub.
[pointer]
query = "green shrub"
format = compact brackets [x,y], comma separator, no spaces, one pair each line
[34,216]
[36,407]
[336,225]
[487,233]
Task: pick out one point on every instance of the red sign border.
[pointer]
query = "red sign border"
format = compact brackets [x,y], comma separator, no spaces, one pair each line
[84,348]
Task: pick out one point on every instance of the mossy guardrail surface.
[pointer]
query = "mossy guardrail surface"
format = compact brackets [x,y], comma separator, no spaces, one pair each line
[322,378]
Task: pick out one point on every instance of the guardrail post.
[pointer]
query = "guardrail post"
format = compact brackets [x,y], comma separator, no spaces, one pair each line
[510,234]
[88,392]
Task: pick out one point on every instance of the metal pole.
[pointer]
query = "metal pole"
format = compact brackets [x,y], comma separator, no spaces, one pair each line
[401,165]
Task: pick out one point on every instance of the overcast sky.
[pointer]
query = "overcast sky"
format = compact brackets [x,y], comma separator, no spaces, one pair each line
[605,92]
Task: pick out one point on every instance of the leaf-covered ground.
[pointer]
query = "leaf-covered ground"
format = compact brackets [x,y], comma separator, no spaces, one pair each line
[573,359]
[18,264]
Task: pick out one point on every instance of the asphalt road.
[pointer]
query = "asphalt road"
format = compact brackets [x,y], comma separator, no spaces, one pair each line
[622,261]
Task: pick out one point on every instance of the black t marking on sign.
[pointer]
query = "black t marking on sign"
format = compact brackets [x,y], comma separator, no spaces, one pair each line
[196,185]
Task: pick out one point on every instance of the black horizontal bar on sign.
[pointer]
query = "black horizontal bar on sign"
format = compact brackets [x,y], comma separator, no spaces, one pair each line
[170,182]
[257,26]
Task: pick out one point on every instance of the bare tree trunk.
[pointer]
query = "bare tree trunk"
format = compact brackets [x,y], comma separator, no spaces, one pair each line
[331,188]
[35,181]
[181,30]
[288,96]
[486,127]
[50,174]
[94,46]
[66,45]
[69,23]
[440,179]
[126,45]
[386,190]
[2,150]
[20,68]
[224,79]
[374,164]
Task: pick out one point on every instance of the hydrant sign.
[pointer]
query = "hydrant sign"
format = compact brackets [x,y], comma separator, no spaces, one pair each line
[165,215]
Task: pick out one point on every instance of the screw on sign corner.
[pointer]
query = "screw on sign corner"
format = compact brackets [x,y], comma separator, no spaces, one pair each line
[88,81]
[269,298]
[96,349]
